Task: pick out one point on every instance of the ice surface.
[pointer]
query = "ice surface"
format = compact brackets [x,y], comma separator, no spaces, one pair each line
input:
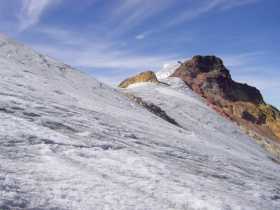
[68,141]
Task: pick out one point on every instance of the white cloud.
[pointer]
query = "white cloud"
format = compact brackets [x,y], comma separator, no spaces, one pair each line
[240,60]
[128,14]
[192,12]
[31,12]
[97,52]
[236,3]
[91,57]
[140,36]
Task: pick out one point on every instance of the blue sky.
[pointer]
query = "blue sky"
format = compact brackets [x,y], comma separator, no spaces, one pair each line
[112,39]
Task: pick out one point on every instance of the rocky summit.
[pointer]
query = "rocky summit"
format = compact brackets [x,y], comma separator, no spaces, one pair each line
[208,76]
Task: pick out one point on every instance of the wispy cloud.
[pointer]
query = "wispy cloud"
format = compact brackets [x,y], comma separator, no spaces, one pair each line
[129,14]
[237,61]
[133,12]
[197,10]
[95,58]
[97,52]
[140,36]
[236,3]
[32,10]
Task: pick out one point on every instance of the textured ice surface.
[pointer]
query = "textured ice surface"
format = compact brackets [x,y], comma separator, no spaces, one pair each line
[68,141]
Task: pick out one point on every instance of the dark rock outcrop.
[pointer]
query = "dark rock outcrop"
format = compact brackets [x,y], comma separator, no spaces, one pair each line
[207,75]
[156,110]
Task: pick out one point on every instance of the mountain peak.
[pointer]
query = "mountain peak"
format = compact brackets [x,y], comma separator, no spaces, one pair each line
[207,61]
[207,76]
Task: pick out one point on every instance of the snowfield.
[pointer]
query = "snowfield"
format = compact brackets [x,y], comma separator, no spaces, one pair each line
[69,142]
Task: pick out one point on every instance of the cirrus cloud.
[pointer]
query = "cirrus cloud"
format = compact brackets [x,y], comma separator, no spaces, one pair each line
[31,12]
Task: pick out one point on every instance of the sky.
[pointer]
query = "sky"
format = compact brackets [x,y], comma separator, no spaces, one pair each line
[113,39]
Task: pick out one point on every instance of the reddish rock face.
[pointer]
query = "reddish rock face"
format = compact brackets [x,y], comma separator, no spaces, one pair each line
[208,76]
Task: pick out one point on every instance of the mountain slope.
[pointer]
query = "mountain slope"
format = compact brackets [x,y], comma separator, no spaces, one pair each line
[68,141]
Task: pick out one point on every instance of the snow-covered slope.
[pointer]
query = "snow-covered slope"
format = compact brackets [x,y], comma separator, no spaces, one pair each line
[68,141]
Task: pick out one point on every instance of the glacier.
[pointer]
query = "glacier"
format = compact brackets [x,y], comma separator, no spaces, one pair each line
[68,141]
